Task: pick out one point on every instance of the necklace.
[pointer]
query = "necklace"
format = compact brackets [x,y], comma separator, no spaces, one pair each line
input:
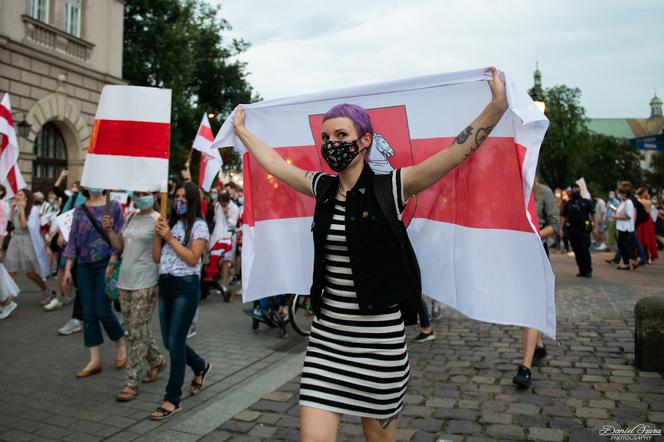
[341,192]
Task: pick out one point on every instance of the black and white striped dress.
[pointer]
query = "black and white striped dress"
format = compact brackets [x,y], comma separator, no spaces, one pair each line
[355,364]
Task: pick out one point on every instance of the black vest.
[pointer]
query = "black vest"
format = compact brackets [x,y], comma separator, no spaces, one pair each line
[385,269]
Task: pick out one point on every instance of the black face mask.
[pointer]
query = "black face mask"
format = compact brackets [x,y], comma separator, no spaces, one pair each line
[339,154]
[576,194]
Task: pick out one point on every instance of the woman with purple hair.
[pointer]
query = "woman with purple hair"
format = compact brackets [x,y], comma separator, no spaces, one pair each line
[366,281]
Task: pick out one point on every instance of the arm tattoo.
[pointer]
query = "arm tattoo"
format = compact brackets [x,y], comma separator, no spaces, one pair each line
[463,136]
[480,135]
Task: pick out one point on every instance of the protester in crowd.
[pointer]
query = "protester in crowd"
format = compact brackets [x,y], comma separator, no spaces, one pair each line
[225,222]
[137,286]
[564,238]
[646,229]
[210,212]
[26,252]
[377,315]
[90,248]
[71,198]
[640,216]
[612,204]
[8,288]
[235,192]
[600,222]
[178,249]
[659,219]
[577,216]
[625,218]
[534,350]
[558,198]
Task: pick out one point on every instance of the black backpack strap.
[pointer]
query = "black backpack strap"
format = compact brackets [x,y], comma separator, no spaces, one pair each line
[96,226]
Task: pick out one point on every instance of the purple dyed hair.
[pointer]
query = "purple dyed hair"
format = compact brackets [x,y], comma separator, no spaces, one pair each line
[355,113]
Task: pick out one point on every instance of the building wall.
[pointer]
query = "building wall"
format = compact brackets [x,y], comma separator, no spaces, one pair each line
[57,77]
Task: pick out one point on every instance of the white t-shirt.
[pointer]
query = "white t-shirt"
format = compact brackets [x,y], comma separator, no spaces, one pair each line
[171,263]
[138,270]
[626,208]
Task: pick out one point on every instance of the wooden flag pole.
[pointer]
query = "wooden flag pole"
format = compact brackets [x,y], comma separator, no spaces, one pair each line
[163,204]
[107,209]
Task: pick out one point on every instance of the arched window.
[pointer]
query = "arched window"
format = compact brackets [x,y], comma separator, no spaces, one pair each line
[51,153]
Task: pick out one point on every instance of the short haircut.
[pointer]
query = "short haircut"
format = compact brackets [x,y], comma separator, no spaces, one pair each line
[354,113]
[232,185]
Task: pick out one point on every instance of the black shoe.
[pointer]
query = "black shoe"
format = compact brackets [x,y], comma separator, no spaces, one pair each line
[423,337]
[539,355]
[585,275]
[611,261]
[523,377]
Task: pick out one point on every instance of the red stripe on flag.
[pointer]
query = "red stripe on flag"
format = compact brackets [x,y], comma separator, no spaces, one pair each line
[11,179]
[485,191]
[130,138]
[206,132]
[7,115]
[201,170]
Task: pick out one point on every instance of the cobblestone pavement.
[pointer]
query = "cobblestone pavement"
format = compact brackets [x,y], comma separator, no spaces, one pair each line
[461,386]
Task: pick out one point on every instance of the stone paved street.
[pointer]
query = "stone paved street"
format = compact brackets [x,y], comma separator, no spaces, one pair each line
[461,386]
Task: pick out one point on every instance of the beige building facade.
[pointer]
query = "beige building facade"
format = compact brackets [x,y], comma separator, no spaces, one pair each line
[55,57]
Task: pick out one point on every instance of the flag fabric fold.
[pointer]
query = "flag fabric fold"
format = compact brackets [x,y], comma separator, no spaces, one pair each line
[475,232]
[10,174]
[129,144]
[211,161]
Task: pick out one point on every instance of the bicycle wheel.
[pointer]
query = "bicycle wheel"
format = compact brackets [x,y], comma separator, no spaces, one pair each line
[301,314]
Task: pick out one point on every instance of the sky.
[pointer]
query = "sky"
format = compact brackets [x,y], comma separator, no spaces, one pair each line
[612,50]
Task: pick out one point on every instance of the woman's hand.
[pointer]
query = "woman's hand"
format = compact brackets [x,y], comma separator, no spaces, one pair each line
[110,268]
[66,279]
[21,204]
[498,94]
[107,223]
[239,119]
[162,229]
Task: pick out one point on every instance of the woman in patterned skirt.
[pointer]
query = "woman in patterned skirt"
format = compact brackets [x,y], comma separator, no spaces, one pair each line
[365,288]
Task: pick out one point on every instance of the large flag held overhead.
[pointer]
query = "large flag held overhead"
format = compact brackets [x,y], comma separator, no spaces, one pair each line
[10,174]
[211,161]
[129,144]
[475,232]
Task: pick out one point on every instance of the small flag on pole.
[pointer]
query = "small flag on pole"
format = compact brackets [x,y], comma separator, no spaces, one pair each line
[129,144]
[10,174]
[211,161]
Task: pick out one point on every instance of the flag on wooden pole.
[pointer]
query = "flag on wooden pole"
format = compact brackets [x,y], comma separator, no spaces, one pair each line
[129,144]
[10,174]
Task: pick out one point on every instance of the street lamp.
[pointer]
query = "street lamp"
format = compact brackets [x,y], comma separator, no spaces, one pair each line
[23,128]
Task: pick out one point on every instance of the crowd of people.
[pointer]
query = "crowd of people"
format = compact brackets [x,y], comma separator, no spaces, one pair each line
[630,222]
[119,254]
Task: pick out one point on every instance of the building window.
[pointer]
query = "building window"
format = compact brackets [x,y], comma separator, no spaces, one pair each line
[51,158]
[73,17]
[39,10]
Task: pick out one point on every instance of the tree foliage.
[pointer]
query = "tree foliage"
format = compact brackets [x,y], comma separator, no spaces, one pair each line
[178,44]
[570,151]
[656,175]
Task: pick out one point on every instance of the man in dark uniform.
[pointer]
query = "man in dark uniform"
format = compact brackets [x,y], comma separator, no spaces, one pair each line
[577,215]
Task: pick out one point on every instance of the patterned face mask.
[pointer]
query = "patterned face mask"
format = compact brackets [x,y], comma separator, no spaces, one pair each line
[180,206]
[339,154]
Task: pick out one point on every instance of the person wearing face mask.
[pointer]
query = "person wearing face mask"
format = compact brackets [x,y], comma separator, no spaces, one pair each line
[646,229]
[90,248]
[137,290]
[209,213]
[578,217]
[178,248]
[625,217]
[26,252]
[225,222]
[366,282]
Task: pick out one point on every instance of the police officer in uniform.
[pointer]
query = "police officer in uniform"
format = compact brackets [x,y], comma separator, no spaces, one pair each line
[577,216]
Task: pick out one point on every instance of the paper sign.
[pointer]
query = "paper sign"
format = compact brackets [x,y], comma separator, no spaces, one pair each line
[584,188]
[120,197]
[64,223]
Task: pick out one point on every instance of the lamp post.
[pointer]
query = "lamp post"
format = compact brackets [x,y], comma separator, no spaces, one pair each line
[23,128]
[539,102]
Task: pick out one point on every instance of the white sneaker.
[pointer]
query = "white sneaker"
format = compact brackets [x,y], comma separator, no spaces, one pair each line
[53,305]
[72,326]
[192,332]
[602,247]
[8,310]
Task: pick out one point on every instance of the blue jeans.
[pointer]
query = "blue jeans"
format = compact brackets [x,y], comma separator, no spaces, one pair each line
[423,313]
[95,304]
[178,301]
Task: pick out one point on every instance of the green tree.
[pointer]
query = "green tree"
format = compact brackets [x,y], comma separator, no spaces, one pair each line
[565,146]
[656,174]
[178,44]
[611,160]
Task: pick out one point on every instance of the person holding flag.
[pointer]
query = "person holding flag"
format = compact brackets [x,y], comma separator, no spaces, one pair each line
[366,281]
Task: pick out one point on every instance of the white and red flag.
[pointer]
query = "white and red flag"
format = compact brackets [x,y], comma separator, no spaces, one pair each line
[211,161]
[475,232]
[129,144]
[10,174]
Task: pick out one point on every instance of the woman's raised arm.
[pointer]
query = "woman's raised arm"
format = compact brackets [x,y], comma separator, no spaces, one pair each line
[425,174]
[271,161]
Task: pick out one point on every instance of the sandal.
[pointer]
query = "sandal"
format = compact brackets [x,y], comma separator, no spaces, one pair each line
[153,371]
[625,268]
[196,387]
[163,413]
[128,393]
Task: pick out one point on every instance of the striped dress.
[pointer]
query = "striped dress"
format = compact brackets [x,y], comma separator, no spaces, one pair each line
[355,364]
